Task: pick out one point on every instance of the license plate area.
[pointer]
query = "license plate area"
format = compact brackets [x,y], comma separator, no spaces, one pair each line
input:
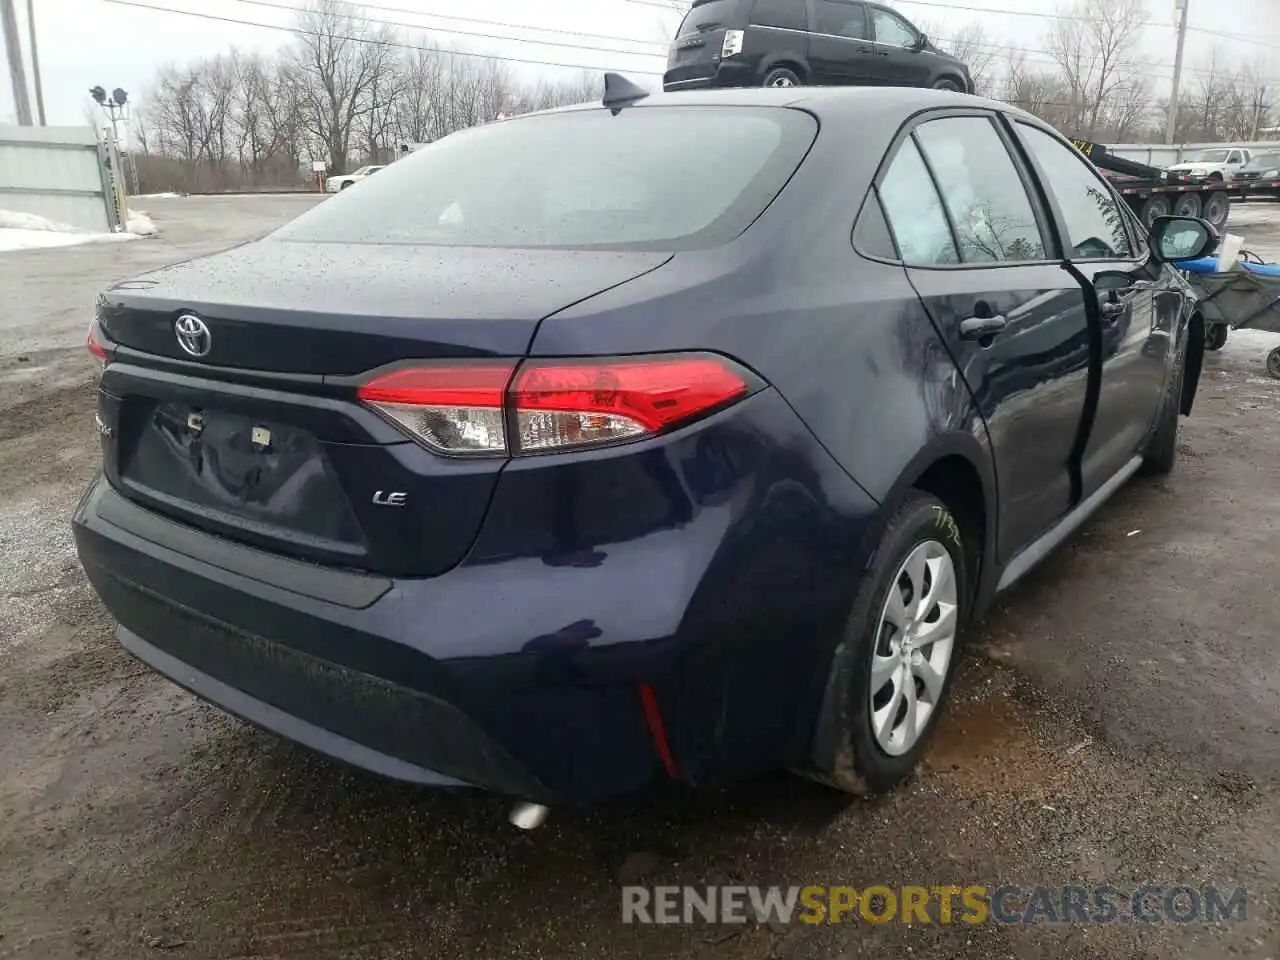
[267,480]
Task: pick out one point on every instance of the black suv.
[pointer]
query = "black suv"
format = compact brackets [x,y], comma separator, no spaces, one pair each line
[786,43]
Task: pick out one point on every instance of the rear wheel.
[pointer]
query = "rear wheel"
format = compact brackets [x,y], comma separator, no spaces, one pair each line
[949,83]
[1188,205]
[1215,337]
[1154,207]
[781,77]
[1273,363]
[1217,207]
[345,184]
[891,673]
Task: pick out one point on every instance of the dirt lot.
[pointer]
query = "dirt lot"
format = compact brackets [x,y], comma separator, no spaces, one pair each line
[1116,723]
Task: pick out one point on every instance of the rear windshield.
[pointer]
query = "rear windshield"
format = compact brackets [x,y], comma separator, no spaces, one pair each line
[661,178]
[712,15]
[1266,161]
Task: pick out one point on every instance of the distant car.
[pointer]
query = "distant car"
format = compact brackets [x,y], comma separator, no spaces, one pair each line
[1215,164]
[791,43]
[1260,177]
[335,184]
[599,465]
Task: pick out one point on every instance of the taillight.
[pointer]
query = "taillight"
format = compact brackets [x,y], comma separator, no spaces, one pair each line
[548,405]
[732,45]
[97,342]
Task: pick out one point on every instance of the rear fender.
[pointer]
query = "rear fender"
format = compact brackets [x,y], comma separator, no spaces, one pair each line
[830,759]
[1194,362]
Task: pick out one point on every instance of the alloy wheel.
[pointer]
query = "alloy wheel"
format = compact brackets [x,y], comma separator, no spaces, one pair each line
[915,638]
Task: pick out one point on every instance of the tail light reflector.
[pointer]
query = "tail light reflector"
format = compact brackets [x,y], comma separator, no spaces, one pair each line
[549,405]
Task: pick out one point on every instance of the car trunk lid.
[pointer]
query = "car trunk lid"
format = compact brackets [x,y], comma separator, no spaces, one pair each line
[261,439]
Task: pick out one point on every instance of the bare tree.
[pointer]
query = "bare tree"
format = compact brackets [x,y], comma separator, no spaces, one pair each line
[339,59]
[1093,47]
[971,46]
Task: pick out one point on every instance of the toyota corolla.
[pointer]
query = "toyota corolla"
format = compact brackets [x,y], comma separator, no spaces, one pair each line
[673,438]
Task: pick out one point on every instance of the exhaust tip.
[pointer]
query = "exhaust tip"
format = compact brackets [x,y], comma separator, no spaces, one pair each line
[528,816]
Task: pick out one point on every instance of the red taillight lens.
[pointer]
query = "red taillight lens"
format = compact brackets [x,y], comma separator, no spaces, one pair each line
[568,404]
[96,342]
[553,405]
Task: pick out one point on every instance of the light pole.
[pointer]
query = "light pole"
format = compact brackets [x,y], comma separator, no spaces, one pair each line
[115,107]
[1180,6]
[35,60]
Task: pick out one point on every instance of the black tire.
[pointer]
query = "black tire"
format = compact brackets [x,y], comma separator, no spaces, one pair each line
[1215,177]
[1217,208]
[1215,336]
[781,77]
[345,184]
[1162,449]
[949,83]
[1152,207]
[1273,363]
[853,761]
[1188,205]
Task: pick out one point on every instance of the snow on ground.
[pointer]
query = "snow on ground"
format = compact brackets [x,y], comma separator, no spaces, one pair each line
[161,196]
[27,231]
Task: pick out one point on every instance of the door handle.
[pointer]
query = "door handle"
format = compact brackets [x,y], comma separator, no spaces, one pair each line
[977,328]
[1112,309]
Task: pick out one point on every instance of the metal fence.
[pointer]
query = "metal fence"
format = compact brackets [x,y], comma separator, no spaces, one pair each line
[60,173]
[1165,154]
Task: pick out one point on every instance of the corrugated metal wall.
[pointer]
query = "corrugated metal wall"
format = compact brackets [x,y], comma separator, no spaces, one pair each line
[55,172]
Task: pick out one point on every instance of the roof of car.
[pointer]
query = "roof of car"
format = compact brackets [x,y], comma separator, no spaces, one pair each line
[832,101]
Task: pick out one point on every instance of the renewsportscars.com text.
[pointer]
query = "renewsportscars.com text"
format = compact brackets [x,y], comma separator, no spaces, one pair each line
[973,904]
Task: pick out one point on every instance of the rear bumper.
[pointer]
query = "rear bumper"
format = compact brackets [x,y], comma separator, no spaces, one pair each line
[704,76]
[712,567]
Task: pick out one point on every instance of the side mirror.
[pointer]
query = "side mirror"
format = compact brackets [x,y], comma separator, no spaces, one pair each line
[922,41]
[1182,238]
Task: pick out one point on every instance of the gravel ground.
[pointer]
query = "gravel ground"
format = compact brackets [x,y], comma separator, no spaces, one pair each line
[1115,723]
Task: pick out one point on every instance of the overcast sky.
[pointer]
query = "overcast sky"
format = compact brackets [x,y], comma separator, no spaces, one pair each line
[87,42]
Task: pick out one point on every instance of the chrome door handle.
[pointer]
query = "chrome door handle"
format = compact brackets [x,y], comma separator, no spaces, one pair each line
[976,328]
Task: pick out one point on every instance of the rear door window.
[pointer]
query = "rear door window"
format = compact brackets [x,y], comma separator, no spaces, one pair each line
[994,219]
[914,211]
[787,14]
[839,19]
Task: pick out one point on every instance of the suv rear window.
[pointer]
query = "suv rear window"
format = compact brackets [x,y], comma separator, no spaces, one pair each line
[712,15]
[584,179]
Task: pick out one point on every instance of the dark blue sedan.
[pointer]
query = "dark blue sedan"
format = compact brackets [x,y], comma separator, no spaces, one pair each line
[675,438]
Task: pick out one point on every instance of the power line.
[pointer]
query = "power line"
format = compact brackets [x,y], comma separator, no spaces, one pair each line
[466,33]
[371,41]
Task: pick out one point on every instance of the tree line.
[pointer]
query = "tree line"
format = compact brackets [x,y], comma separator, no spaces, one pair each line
[350,89]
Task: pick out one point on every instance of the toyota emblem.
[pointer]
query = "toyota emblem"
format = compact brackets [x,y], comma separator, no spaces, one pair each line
[193,334]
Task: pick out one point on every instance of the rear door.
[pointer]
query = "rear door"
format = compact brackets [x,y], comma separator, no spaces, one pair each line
[898,61]
[1137,316]
[976,249]
[840,48]
[695,52]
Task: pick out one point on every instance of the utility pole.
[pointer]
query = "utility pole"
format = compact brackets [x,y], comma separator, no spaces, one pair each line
[13,50]
[35,60]
[1180,7]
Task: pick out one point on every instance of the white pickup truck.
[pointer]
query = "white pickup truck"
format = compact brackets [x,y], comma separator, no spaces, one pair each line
[1219,163]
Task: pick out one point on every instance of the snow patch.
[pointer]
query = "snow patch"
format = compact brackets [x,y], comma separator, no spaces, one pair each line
[159,196]
[27,231]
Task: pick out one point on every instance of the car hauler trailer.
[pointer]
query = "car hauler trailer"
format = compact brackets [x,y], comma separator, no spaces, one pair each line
[1153,192]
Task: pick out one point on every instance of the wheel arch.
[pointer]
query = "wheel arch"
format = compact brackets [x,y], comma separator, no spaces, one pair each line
[787,59]
[957,469]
